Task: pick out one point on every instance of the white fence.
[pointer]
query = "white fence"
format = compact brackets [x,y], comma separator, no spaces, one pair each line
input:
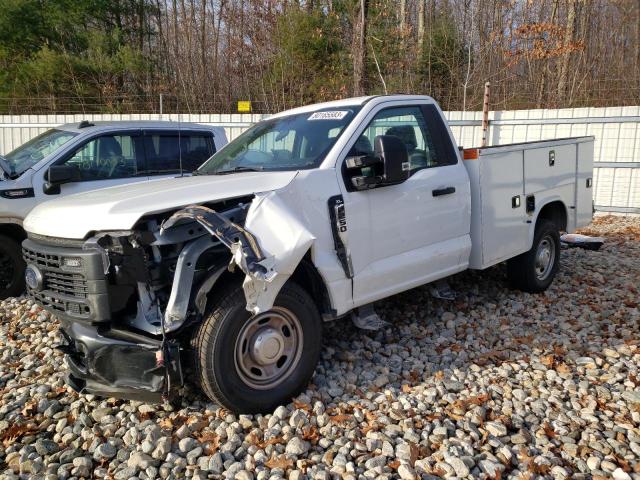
[616,131]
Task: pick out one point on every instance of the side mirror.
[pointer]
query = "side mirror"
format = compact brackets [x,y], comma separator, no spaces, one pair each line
[395,158]
[387,166]
[58,175]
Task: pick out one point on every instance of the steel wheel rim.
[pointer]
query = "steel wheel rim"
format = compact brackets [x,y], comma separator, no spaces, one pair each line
[545,257]
[268,348]
[7,270]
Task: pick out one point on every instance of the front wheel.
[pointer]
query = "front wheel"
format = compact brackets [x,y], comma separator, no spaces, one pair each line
[533,271]
[252,363]
[11,268]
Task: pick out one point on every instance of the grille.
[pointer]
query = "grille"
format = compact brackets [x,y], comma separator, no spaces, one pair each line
[57,281]
[74,290]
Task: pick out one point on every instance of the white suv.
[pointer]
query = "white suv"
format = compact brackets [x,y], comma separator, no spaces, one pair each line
[76,158]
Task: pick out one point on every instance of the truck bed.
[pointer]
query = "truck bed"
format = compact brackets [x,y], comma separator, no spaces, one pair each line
[511,183]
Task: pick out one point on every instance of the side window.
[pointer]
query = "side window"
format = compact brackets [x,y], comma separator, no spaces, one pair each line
[108,157]
[164,150]
[409,125]
[419,136]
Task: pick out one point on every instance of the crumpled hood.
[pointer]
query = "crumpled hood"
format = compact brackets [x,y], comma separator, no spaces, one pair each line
[119,208]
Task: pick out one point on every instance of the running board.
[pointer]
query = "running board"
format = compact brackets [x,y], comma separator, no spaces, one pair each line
[366,318]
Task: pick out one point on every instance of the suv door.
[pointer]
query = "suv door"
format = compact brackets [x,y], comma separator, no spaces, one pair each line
[106,160]
[404,235]
[172,152]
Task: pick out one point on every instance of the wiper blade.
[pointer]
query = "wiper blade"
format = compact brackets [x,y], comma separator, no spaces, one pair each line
[238,169]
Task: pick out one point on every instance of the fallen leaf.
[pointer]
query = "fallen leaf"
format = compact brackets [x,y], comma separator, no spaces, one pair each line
[341,418]
[547,360]
[302,406]
[17,431]
[548,430]
[30,408]
[279,462]
[394,465]
[311,434]
[414,453]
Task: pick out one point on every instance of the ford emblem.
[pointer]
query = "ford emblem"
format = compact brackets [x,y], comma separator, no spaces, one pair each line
[33,277]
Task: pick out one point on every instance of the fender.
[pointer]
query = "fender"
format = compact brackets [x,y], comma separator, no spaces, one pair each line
[268,248]
[540,205]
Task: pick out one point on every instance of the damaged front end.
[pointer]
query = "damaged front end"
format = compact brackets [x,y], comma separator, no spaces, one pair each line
[128,300]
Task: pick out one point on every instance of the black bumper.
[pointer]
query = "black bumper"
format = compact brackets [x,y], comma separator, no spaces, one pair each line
[114,363]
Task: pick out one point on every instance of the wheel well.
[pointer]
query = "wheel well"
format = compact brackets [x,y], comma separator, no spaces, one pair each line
[307,276]
[556,212]
[14,231]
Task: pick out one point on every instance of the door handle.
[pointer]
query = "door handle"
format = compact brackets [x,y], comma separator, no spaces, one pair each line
[443,191]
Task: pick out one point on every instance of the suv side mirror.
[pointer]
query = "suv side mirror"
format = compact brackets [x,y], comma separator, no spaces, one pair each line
[58,175]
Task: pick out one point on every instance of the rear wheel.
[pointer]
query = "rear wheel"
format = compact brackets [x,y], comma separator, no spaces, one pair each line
[533,271]
[11,268]
[252,363]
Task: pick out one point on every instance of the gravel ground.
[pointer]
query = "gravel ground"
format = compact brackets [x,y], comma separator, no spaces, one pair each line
[496,384]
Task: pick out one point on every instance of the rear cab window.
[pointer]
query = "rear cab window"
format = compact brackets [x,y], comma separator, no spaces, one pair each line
[176,151]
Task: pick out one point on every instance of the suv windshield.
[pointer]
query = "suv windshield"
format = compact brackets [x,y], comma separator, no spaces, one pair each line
[294,142]
[30,153]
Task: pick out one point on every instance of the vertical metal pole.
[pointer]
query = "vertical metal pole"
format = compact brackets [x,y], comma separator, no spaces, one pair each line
[160,106]
[485,114]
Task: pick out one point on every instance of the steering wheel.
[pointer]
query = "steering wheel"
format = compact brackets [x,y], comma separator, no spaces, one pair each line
[256,157]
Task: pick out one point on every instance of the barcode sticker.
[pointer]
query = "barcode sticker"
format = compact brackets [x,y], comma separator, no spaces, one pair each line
[330,115]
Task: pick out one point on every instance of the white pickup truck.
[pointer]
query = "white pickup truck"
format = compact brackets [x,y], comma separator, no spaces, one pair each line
[307,217]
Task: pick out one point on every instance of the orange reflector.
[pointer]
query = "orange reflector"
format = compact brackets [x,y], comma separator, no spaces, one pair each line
[470,153]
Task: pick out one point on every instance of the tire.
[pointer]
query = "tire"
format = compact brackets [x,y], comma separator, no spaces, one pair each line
[238,357]
[11,268]
[533,271]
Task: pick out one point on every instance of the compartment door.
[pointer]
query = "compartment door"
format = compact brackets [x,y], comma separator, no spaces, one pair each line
[549,167]
[584,184]
[504,228]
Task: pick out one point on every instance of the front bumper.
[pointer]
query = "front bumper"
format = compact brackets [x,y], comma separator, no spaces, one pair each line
[120,363]
[102,359]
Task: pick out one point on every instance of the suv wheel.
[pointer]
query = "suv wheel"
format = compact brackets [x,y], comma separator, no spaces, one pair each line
[253,363]
[11,268]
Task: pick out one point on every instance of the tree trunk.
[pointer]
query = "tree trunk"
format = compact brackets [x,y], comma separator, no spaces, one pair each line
[568,40]
[358,49]
[421,13]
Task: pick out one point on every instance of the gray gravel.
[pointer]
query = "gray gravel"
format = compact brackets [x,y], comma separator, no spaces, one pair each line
[496,384]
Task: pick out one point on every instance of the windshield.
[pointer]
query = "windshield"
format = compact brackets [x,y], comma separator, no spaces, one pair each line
[294,142]
[30,153]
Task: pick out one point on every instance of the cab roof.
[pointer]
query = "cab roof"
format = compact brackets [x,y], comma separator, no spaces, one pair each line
[351,102]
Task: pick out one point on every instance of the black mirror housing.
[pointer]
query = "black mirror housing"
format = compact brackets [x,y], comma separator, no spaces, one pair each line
[393,153]
[60,174]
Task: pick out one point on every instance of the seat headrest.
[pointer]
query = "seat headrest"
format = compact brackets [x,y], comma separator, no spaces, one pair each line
[406,133]
[109,147]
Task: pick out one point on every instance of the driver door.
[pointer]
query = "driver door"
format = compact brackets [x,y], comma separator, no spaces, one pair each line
[404,235]
[106,161]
